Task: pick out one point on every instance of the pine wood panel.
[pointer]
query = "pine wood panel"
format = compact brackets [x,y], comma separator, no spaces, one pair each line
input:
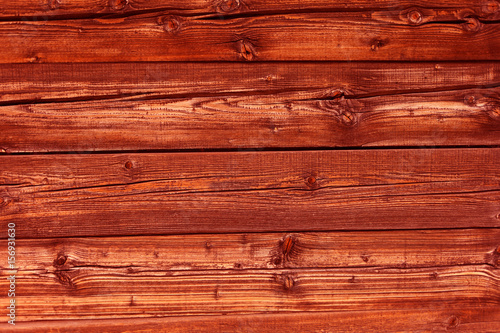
[138,194]
[95,293]
[36,83]
[385,249]
[345,36]
[52,9]
[299,119]
[471,319]
[66,107]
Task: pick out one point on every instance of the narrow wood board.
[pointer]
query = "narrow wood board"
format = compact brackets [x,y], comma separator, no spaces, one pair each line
[93,292]
[65,82]
[346,36]
[146,194]
[287,120]
[477,318]
[274,107]
[53,9]
[384,249]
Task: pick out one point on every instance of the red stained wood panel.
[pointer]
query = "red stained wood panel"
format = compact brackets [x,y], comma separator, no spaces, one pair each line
[342,36]
[138,194]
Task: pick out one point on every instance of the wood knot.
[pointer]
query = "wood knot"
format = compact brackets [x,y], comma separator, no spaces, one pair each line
[348,118]
[60,260]
[365,258]
[337,94]
[246,50]
[287,245]
[494,113]
[5,201]
[118,4]
[453,322]
[128,165]
[54,4]
[414,16]
[491,7]
[288,282]
[171,24]
[64,279]
[208,245]
[433,276]
[472,24]
[470,100]
[227,6]
[377,44]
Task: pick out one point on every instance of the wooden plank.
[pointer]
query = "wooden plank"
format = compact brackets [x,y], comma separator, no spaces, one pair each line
[484,318]
[146,194]
[322,118]
[50,9]
[96,293]
[372,35]
[385,249]
[33,83]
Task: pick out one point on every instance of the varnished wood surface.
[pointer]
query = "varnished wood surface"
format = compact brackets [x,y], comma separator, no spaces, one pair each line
[318,36]
[141,194]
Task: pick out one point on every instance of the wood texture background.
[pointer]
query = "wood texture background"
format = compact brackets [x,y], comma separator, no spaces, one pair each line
[251,166]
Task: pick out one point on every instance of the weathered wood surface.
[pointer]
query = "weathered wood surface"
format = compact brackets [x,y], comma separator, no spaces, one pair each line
[345,36]
[145,194]
[68,107]
[477,318]
[384,249]
[93,293]
[53,9]
[102,81]
[298,119]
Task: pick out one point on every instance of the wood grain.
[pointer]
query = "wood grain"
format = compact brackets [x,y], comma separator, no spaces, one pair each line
[477,318]
[299,119]
[384,249]
[145,194]
[344,36]
[93,293]
[53,9]
[65,82]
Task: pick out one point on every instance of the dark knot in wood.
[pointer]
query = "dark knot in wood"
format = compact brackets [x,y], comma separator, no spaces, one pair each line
[415,17]
[246,49]
[54,4]
[171,24]
[118,4]
[227,6]
[472,24]
[491,7]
